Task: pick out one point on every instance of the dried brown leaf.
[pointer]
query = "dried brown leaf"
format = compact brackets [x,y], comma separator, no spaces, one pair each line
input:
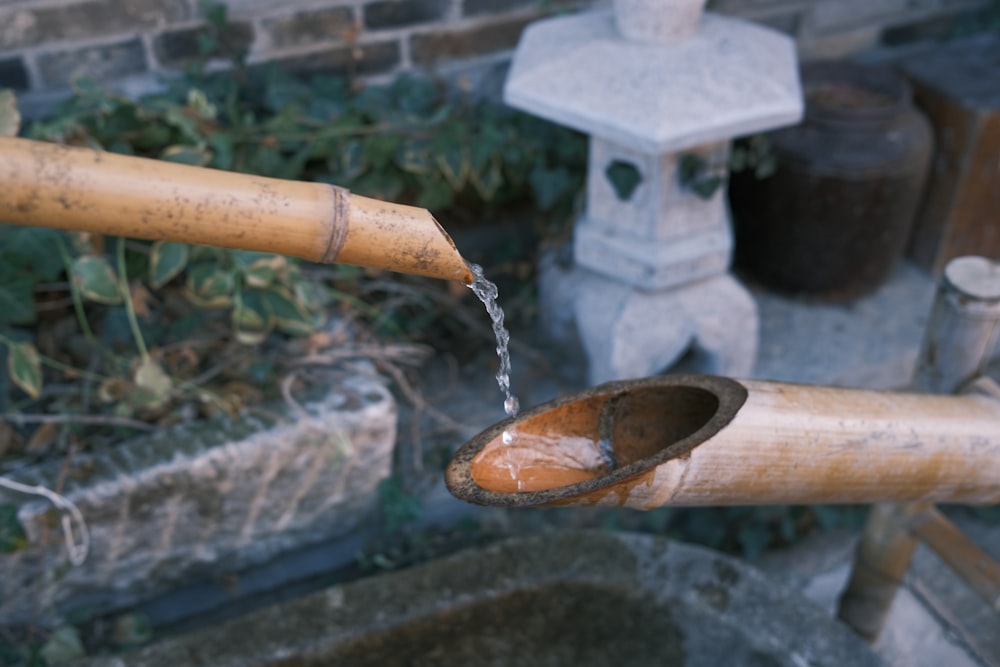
[114,389]
[44,436]
[10,439]
[141,299]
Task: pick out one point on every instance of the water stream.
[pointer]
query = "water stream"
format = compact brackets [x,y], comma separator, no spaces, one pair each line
[487,293]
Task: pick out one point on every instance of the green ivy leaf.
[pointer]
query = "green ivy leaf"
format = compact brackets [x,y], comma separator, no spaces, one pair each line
[267,161]
[260,276]
[153,384]
[488,146]
[436,195]
[766,167]
[131,630]
[414,157]
[380,185]
[152,136]
[208,44]
[63,647]
[488,181]
[166,260]
[216,13]
[252,319]
[351,162]
[380,150]
[10,117]
[293,167]
[25,368]
[753,537]
[287,314]
[310,295]
[35,250]
[549,185]
[96,279]
[12,535]
[454,165]
[193,155]
[17,300]
[211,286]
[176,117]
[739,159]
[198,102]
[399,508]
[222,149]
[416,96]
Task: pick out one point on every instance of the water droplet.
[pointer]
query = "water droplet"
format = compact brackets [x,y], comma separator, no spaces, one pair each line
[508,438]
[511,406]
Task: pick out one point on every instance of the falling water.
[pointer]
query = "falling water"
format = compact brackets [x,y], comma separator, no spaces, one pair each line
[487,293]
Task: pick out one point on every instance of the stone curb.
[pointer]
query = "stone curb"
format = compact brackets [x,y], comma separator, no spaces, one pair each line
[196,501]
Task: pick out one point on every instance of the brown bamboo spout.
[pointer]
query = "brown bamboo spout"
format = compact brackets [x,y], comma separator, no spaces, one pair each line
[48,185]
[703,440]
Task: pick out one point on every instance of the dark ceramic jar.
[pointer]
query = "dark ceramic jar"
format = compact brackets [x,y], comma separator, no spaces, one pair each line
[835,217]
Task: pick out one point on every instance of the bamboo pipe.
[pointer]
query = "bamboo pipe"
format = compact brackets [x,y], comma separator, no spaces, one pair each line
[704,440]
[79,189]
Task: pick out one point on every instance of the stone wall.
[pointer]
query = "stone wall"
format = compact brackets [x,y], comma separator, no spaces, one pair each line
[45,44]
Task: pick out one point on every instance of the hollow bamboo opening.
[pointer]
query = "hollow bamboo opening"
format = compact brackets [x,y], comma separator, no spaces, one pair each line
[555,451]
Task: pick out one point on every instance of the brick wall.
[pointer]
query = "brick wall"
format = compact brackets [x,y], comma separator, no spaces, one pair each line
[45,44]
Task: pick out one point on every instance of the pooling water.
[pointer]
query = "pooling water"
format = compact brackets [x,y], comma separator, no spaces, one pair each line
[487,293]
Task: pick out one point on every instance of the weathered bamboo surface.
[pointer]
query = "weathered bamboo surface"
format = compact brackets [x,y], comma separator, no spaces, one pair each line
[48,185]
[784,444]
[796,444]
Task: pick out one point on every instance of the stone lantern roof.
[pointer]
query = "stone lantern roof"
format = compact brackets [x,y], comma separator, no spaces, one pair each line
[730,78]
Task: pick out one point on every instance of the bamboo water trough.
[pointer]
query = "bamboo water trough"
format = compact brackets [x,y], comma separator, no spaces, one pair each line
[705,440]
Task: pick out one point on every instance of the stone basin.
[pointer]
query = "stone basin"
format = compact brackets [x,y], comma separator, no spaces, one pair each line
[569,598]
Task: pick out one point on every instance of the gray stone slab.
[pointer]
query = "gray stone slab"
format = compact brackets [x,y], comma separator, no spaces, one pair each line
[565,598]
[872,342]
[235,494]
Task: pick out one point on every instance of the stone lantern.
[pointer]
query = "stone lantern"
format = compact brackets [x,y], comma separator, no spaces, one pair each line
[661,88]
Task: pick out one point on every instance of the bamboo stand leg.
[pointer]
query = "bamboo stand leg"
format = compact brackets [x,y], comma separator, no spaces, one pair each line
[880,563]
[962,332]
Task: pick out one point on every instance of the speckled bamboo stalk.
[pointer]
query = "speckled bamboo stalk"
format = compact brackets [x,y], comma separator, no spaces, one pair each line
[48,185]
[701,440]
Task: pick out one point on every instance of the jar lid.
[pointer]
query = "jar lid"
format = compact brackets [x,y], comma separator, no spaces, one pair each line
[839,92]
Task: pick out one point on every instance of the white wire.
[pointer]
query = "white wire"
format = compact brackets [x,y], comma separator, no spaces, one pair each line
[77,551]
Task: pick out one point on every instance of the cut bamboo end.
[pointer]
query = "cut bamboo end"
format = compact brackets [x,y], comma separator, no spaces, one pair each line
[404,238]
[79,189]
[695,440]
